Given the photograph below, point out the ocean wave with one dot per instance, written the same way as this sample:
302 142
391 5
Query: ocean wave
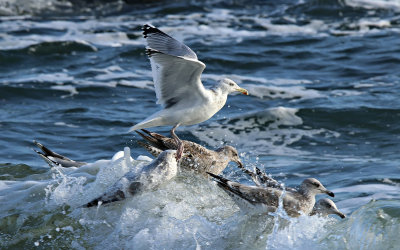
214 26
268 132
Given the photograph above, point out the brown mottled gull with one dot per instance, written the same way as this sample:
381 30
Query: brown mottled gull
323 206
196 157
295 202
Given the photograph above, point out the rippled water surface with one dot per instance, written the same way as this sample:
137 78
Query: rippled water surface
324 83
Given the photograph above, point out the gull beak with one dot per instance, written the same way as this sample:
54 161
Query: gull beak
331 194
243 91
240 164
342 215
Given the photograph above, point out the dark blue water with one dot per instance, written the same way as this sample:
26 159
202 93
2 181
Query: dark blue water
324 83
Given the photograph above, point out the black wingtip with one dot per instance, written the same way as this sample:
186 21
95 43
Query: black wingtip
218 178
147 138
213 175
146 131
148 29
139 133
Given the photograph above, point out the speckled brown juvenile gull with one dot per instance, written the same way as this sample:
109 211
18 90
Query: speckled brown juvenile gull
52 157
295 202
196 157
322 207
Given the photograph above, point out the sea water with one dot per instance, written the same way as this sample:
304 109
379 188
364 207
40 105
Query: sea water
323 78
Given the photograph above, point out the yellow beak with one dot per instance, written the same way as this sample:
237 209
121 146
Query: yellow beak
243 91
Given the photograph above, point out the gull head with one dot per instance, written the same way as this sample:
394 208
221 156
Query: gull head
327 206
231 154
229 86
312 186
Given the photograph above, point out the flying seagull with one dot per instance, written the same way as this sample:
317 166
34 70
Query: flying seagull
177 80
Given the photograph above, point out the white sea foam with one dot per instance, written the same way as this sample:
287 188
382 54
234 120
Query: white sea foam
254 79
218 26
69 88
188 212
303 232
374 191
374 4
273 92
73 189
270 131
66 124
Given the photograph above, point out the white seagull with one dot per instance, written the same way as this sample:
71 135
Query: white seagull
177 80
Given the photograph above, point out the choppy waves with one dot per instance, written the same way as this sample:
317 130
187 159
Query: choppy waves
323 82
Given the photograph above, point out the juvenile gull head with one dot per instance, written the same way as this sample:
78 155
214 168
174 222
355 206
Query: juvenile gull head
312 186
230 154
326 207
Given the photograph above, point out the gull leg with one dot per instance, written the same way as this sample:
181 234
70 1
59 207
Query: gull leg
178 141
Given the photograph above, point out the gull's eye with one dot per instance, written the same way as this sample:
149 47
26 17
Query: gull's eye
316 184
231 84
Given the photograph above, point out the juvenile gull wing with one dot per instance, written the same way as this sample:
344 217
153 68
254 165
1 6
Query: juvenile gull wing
176 70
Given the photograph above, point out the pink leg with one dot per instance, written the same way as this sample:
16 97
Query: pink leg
179 152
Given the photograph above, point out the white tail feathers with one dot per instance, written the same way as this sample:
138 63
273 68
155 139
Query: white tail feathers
154 122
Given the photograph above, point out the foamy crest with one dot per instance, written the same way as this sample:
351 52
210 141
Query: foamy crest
374 4
73 187
186 212
374 225
273 92
270 131
304 232
374 191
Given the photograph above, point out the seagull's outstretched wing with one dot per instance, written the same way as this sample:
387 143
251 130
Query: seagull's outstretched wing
176 70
